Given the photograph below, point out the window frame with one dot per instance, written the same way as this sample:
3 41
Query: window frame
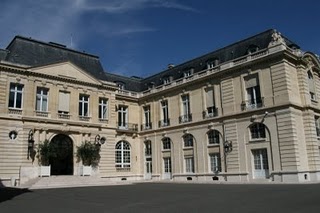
42 97
123 154
14 90
103 112
255 131
84 105
215 162
189 164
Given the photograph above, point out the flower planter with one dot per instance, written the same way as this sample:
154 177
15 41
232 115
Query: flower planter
44 171
85 170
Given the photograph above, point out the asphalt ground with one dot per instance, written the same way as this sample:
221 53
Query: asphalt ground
165 197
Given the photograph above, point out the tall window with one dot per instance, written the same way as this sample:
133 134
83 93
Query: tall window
186 115
103 108
253 92
166 142
83 105
213 137
42 99
312 90
188 140
15 96
189 163
148 149
165 114
210 105
215 162
167 165
258 131
123 117
123 154
317 122
147 117
64 99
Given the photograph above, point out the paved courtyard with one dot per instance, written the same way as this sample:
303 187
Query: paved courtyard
165 197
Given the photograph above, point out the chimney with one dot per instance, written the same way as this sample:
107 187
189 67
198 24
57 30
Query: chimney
170 66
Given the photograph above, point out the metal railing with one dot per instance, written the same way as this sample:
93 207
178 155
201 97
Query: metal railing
164 123
210 112
146 126
185 118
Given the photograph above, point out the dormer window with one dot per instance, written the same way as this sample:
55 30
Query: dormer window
166 80
187 73
252 48
212 63
120 85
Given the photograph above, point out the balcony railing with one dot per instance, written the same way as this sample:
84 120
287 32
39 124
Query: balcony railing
210 112
128 127
185 118
64 116
42 113
164 123
15 111
252 104
84 118
146 126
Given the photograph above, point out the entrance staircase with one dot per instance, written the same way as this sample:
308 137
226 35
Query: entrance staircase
70 181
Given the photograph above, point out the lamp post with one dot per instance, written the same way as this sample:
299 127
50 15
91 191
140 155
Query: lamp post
30 143
227 148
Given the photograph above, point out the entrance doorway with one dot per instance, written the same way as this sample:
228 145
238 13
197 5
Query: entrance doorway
261 166
167 168
62 162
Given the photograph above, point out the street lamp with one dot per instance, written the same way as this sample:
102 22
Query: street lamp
227 148
30 143
99 140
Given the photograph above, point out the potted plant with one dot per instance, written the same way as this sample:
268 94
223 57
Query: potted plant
89 154
46 150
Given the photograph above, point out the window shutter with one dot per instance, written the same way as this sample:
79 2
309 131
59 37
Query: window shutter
64 99
209 97
252 81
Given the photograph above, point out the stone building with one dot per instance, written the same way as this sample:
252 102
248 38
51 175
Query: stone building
247 112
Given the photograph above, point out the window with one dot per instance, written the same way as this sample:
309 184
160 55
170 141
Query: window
215 162
83 105
312 90
165 114
189 163
253 92
258 131
148 150
103 108
213 137
123 154
147 117
260 162
187 73
212 63
120 85
42 99
210 104
317 123
188 140
166 142
167 165
166 80
123 117
15 96
186 115
64 98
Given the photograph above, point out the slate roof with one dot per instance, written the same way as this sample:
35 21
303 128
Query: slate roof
224 54
32 52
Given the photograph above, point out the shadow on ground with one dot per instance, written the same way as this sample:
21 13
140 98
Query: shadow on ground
7 193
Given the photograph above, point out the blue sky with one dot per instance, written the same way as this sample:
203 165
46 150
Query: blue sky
141 37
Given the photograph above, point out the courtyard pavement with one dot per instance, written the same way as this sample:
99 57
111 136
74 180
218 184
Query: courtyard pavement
165 197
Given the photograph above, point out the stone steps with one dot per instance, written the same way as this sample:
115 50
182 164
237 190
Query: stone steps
72 181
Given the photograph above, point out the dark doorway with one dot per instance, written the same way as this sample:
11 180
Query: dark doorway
62 163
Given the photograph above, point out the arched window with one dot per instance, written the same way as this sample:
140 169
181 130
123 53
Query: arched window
166 142
188 140
213 137
258 131
123 154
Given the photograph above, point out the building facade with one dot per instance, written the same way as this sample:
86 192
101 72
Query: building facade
247 112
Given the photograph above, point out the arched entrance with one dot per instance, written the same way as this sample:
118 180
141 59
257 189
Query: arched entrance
62 162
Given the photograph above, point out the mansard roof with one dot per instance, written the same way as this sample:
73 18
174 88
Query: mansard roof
30 52
228 53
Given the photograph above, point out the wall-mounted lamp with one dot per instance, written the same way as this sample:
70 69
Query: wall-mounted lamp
99 140
30 144
227 145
